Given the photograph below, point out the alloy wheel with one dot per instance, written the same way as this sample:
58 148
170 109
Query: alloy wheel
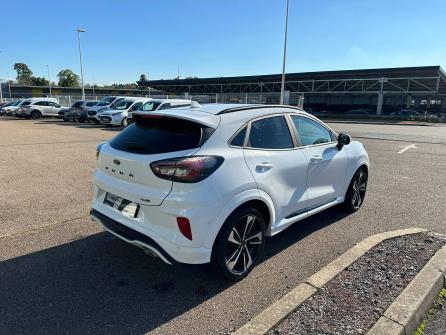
244 244
359 188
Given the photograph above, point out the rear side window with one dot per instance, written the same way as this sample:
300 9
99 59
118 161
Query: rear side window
41 103
239 138
155 135
270 133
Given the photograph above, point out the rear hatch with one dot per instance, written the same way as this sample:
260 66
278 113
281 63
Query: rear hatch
124 163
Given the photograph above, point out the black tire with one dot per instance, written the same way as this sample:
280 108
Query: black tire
354 198
35 114
239 244
124 122
96 121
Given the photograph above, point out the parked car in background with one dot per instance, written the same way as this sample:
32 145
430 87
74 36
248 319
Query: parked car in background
117 116
94 112
4 105
405 113
208 184
11 109
35 108
159 104
79 111
357 112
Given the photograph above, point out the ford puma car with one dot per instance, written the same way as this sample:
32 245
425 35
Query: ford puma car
209 184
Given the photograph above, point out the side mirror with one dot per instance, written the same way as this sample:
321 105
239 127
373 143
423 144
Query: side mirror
343 139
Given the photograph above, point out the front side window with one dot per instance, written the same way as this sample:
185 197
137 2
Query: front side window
270 133
106 101
123 105
136 106
41 103
150 106
310 132
25 103
164 106
77 104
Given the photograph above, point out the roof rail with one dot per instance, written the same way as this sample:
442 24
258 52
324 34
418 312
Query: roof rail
249 107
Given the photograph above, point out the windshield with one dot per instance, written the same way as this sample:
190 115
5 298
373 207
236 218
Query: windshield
77 104
123 105
105 102
17 103
150 106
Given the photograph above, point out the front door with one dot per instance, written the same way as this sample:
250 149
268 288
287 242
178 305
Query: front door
279 169
327 164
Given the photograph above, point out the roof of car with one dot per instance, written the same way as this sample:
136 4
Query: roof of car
219 109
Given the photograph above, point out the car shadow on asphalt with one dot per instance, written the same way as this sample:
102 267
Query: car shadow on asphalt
101 285
80 125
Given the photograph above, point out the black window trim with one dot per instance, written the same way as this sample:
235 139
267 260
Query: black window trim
291 128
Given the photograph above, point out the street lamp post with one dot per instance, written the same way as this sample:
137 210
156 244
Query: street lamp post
282 88
79 31
49 79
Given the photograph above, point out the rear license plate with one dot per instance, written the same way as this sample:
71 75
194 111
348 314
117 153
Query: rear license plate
126 207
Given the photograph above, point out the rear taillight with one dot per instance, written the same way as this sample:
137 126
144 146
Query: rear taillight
187 169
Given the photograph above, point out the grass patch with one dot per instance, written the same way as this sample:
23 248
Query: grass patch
438 302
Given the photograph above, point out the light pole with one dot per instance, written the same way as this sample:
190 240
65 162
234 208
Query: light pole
49 79
282 88
79 31
1 89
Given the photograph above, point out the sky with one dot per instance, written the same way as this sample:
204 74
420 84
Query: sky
215 38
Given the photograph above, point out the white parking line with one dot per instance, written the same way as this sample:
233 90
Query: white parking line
406 147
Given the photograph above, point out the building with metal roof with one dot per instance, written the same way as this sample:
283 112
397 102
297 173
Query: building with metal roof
386 89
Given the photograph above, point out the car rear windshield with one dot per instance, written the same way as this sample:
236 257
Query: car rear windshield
155 135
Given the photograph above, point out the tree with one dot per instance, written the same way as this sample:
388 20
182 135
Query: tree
68 78
39 81
24 74
143 77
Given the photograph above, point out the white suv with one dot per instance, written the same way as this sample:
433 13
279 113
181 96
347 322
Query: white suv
35 108
117 116
208 184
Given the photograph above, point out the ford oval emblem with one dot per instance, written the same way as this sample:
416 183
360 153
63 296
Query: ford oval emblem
116 161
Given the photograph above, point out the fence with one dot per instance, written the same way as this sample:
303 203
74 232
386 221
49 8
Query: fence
295 99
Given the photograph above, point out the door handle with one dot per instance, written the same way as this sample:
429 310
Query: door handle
316 159
262 167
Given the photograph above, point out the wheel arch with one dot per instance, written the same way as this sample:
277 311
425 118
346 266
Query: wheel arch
252 198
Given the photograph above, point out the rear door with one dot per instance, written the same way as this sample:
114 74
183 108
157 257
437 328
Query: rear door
278 167
53 108
327 164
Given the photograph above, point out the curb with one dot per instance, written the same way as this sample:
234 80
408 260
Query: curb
273 315
409 309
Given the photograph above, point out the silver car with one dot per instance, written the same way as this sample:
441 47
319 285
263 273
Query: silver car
35 108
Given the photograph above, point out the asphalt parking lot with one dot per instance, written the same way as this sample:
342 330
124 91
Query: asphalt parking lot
60 273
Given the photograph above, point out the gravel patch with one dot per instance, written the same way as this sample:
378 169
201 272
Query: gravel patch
354 300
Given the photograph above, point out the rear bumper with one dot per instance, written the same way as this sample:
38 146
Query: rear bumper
131 236
151 230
